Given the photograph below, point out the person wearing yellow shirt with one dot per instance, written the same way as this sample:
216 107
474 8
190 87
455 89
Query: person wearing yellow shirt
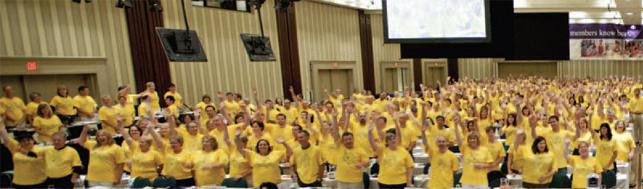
124 110
206 102
281 130
172 106
360 130
231 106
46 124
290 111
240 169
14 107
624 143
150 91
583 165
264 160
191 136
636 102
556 138
477 160
606 149
258 133
583 134
32 106
171 91
63 163
64 105
539 162
145 109
84 103
108 115
395 161
209 163
443 162
496 149
178 163
28 160
409 131
307 162
350 162
106 159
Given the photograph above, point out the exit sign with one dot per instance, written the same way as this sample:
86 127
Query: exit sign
31 66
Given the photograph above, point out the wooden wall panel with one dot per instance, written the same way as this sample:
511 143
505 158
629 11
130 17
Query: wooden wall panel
228 67
60 28
326 33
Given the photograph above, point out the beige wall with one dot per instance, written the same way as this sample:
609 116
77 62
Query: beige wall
62 29
326 33
228 67
482 68
383 52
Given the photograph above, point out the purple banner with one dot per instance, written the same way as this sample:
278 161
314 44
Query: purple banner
605 31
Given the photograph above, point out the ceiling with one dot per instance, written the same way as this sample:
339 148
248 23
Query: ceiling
581 11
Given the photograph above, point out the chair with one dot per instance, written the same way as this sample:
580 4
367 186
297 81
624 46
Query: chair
560 180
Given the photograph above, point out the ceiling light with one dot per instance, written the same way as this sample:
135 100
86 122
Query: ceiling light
629 13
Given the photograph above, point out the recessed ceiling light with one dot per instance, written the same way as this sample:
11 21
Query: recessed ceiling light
629 13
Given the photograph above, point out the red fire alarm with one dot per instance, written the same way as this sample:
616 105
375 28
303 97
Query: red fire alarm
31 66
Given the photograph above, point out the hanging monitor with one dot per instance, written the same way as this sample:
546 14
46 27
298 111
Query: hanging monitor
181 46
258 47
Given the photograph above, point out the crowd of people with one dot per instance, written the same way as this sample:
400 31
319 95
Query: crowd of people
474 132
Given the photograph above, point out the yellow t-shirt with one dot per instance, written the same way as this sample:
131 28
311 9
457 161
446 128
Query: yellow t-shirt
126 112
443 165
63 105
145 164
145 110
636 105
307 161
27 170
510 134
175 165
108 115
291 114
103 160
329 148
209 176
624 145
604 151
347 159
582 168
537 165
266 168
435 132
277 131
393 165
584 137
85 103
471 175
361 138
556 145
231 108
154 105
32 108
239 165
190 142
178 99
174 109
204 116
409 134
60 162
14 108
46 127
496 150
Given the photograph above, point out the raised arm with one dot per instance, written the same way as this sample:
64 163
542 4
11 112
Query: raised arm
533 123
458 138
83 136
335 128
3 133
288 148
371 139
171 123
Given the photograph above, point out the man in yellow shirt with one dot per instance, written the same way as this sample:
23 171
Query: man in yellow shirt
84 103
32 107
63 163
14 107
307 162
172 92
107 115
350 162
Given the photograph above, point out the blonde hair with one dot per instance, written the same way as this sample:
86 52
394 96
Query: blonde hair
215 144
110 140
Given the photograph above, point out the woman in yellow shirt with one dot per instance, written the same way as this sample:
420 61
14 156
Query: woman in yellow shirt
106 159
606 149
64 105
583 134
264 161
32 107
178 163
125 111
509 128
28 160
150 91
583 165
209 163
624 143
395 162
477 160
539 163
141 161
240 169
46 124
63 163
107 115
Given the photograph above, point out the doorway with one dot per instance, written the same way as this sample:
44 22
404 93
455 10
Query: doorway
433 72
332 76
395 76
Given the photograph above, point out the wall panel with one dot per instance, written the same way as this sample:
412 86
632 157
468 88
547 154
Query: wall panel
383 52
326 33
228 67
60 28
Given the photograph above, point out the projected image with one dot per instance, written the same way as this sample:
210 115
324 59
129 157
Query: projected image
436 19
